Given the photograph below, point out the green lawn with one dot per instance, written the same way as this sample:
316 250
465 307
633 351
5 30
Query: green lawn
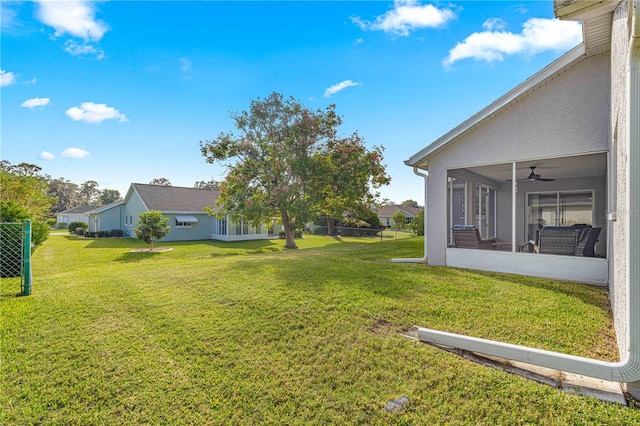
248 333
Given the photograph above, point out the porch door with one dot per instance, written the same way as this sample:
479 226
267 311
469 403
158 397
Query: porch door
485 211
457 204
558 209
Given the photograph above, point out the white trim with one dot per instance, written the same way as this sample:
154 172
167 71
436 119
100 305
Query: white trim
591 270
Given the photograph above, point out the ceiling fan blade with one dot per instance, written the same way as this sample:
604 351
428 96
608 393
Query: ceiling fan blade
545 179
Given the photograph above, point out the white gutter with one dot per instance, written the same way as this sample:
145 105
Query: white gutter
627 370
426 192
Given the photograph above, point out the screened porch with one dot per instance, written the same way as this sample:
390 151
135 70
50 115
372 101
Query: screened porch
531 217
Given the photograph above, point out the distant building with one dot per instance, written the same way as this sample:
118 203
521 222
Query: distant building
76 214
185 209
385 214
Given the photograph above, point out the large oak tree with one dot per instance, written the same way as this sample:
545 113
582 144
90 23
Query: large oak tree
281 163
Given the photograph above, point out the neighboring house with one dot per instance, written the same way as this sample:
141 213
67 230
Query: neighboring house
385 214
577 122
76 214
185 209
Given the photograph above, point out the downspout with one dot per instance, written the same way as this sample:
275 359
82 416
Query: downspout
627 370
426 192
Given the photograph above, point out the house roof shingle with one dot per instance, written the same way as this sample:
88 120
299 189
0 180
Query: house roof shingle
78 210
388 211
174 198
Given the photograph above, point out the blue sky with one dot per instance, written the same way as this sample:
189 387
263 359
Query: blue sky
121 92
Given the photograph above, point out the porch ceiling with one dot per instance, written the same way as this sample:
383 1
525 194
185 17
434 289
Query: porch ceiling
556 168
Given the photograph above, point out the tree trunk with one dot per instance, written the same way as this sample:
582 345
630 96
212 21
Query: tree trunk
331 229
288 231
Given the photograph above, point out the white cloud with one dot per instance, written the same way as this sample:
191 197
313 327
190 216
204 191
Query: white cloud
36 102
46 155
407 15
75 153
7 78
492 24
90 112
185 64
76 49
8 14
338 87
76 19
537 35
73 17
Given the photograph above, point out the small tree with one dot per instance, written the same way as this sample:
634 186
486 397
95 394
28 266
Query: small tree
410 203
417 223
399 219
152 227
160 182
211 184
108 196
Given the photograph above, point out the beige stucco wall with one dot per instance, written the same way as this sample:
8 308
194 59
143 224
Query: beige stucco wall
569 115
618 167
620 139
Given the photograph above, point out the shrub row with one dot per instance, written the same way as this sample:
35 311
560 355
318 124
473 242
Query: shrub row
73 226
100 234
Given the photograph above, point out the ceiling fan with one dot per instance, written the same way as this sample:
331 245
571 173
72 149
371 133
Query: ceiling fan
534 176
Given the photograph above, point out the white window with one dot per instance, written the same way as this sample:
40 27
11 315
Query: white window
185 221
558 208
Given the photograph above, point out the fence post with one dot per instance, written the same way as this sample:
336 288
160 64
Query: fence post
26 258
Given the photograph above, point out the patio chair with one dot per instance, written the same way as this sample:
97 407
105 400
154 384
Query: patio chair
587 242
557 241
469 237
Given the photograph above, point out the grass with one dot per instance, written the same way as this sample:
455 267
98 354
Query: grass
248 333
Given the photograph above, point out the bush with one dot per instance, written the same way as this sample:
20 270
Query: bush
61 225
75 225
39 232
117 233
51 222
80 231
417 223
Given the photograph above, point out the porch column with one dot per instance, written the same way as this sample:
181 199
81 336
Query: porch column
514 191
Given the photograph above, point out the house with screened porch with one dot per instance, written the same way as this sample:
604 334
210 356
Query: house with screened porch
558 154
185 209
536 159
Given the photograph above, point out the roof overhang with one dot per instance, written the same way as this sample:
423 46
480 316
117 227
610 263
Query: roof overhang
562 64
583 10
597 18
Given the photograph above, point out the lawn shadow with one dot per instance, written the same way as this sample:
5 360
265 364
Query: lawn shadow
586 293
10 288
4 296
311 269
134 257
